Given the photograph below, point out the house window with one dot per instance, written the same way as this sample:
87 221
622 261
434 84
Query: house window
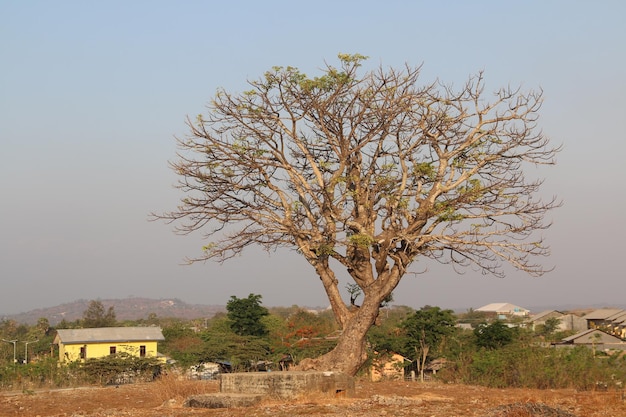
142 351
83 352
112 350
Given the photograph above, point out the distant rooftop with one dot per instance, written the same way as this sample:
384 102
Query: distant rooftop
603 313
503 308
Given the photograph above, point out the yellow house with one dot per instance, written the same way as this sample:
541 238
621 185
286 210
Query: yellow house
82 344
388 366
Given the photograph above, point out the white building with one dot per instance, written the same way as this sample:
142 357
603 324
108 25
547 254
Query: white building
504 310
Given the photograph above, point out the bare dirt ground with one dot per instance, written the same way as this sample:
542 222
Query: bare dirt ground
394 398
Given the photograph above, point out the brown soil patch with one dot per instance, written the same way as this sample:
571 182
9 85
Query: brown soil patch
392 398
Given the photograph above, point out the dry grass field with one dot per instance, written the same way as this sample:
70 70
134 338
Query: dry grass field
165 398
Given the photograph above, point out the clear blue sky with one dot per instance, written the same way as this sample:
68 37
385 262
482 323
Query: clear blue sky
93 93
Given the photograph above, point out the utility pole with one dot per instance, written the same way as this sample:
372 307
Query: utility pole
26 350
14 343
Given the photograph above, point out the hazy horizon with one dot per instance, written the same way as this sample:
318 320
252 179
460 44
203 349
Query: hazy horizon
534 309
94 93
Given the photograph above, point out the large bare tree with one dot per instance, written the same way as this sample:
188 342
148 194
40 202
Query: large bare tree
366 172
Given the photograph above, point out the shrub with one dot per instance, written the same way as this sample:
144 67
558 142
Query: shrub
119 369
522 366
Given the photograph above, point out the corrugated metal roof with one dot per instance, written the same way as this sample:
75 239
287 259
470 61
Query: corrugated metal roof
616 316
602 313
587 337
619 319
546 313
577 335
109 334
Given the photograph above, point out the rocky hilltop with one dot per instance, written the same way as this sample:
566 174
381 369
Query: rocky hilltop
134 308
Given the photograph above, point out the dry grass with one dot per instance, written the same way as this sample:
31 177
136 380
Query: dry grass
176 387
166 397
529 410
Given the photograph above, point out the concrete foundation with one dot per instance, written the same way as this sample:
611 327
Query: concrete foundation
287 384
249 388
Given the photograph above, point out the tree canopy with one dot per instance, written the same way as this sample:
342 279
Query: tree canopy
494 335
245 315
367 171
424 331
428 326
95 315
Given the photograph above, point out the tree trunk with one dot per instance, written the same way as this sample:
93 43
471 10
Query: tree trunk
351 351
424 354
422 364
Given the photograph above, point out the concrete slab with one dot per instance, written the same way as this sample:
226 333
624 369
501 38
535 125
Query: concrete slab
287 384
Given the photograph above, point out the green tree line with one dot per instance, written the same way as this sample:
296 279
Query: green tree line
490 353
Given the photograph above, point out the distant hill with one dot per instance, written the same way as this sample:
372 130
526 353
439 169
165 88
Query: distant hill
125 309
136 308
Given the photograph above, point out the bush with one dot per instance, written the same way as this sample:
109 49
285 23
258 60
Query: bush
42 373
522 366
494 335
120 369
